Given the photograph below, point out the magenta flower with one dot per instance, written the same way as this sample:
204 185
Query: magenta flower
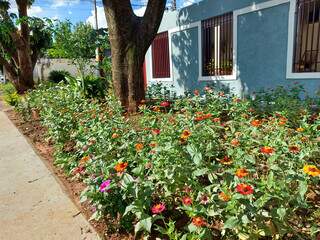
158 208
105 186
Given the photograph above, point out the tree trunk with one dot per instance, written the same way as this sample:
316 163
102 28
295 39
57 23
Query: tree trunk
25 78
130 37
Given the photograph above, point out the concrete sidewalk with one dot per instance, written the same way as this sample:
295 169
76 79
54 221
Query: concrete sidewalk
32 203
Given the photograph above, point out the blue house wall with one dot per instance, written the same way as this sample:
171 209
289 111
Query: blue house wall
261 47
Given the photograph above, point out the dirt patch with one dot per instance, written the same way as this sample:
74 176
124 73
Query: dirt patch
36 136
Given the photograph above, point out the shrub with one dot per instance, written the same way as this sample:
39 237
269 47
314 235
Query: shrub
10 94
57 76
211 167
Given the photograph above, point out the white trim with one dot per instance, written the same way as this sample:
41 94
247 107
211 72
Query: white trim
291 37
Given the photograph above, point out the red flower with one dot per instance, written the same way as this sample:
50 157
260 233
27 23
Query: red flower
158 208
196 92
267 150
165 104
235 142
187 201
216 120
156 131
244 189
198 221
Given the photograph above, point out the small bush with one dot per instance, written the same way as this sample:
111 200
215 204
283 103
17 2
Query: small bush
10 94
57 76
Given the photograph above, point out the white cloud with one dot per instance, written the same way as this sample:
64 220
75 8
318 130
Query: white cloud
62 3
102 22
35 11
69 12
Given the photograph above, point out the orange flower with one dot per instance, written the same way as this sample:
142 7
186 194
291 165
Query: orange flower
224 197
294 149
226 161
198 221
300 129
84 160
185 134
311 170
120 167
256 123
235 142
115 135
187 201
283 121
304 139
139 147
267 150
242 172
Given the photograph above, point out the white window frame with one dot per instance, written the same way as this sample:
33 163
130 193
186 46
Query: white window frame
291 46
233 76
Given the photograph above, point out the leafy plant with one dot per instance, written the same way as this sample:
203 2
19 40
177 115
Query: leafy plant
57 76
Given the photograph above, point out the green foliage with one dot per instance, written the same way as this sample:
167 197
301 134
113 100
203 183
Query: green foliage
10 94
90 86
57 76
187 158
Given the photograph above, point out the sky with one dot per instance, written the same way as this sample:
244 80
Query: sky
82 10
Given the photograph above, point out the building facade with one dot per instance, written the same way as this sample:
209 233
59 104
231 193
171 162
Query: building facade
244 45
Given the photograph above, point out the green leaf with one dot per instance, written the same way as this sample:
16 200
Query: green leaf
195 155
200 172
192 227
231 223
281 212
143 224
303 188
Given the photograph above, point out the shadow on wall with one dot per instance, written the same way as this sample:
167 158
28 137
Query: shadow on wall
185 61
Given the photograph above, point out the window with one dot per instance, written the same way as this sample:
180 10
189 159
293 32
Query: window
160 56
217 45
307 37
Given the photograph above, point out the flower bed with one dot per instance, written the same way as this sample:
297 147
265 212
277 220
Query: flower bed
208 168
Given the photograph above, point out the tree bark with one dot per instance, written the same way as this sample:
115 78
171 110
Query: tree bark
130 37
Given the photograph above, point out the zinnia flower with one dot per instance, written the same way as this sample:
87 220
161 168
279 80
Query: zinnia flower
185 134
256 123
120 167
105 186
216 120
294 149
244 189
115 135
300 129
226 161
267 150
158 208
224 197
84 160
242 172
198 221
204 199
156 131
139 147
235 142
165 104
187 201
311 170
196 92
153 144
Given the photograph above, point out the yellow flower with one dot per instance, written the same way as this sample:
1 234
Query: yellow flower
311 170
300 129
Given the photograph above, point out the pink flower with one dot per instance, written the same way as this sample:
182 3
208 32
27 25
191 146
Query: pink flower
105 186
165 104
158 208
